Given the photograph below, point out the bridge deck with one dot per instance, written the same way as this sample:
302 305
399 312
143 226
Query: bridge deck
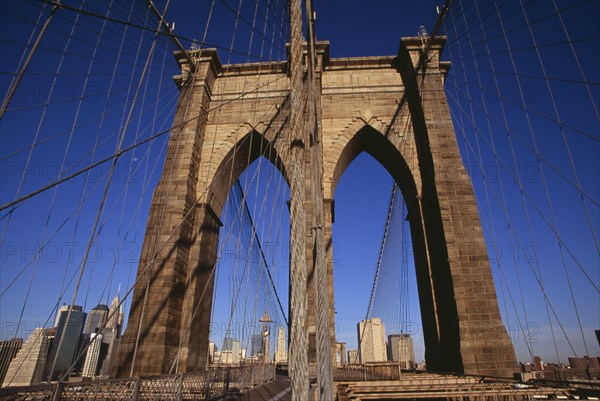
277 390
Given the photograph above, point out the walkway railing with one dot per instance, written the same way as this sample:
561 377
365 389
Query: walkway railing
211 384
375 371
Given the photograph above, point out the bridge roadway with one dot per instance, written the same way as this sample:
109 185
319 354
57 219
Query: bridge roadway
427 386
276 390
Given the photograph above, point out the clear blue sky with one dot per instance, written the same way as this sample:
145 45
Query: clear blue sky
354 28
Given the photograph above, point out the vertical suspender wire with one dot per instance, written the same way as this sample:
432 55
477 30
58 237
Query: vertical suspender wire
217 264
511 227
105 196
255 180
36 260
15 84
552 214
377 271
298 347
145 180
505 119
239 17
503 197
150 266
461 125
77 112
103 115
130 173
529 124
323 334
217 124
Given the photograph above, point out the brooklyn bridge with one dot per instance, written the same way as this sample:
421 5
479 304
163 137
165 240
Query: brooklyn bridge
304 200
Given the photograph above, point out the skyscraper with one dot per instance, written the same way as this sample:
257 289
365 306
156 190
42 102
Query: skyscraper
281 353
256 345
401 349
115 315
27 367
353 356
8 350
92 357
371 340
66 341
95 319
212 349
230 353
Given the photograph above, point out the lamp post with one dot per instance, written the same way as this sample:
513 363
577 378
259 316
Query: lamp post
265 323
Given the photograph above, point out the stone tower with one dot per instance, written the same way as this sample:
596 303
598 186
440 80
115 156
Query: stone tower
229 115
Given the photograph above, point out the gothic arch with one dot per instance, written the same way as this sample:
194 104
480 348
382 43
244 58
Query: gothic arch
365 138
240 156
196 313
368 139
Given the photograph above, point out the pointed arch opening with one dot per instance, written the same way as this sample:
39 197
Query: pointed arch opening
236 304
439 324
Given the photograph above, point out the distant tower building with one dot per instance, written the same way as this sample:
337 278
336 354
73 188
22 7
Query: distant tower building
115 315
27 367
95 319
8 350
281 353
538 363
353 356
63 308
111 342
340 348
212 348
256 345
235 351
597 332
111 335
371 341
228 343
230 353
69 334
401 349
92 357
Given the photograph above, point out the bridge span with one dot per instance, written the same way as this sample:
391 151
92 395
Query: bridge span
268 383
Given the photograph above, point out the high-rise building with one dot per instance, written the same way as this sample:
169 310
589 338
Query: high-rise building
63 308
212 348
66 341
92 357
256 345
401 349
371 341
115 315
110 348
538 363
281 353
340 349
228 343
353 356
95 319
27 367
8 350
230 353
